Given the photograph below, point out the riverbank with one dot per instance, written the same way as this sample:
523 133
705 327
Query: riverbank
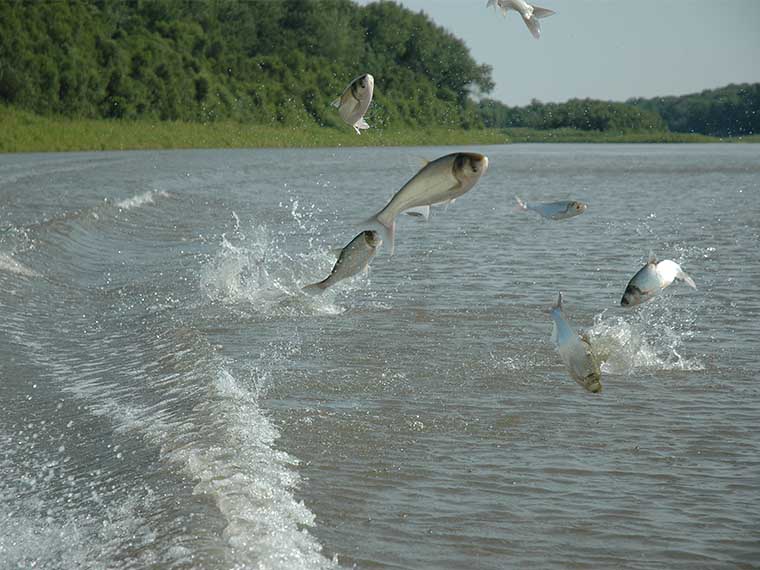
21 131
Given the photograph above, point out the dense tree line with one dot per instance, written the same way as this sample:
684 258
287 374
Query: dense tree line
733 110
729 111
581 114
283 61
261 61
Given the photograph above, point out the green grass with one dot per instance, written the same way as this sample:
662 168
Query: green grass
21 131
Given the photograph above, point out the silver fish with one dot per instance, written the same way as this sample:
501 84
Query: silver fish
553 210
575 351
355 100
530 13
439 182
353 258
652 279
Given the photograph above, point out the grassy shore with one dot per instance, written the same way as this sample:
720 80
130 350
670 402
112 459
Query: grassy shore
21 131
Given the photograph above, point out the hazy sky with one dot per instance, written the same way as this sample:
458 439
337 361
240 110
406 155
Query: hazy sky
608 49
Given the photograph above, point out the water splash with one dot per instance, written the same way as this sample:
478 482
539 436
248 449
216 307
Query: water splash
141 199
261 271
650 337
7 263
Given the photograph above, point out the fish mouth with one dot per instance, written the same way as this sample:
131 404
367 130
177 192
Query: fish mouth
366 81
479 162
372 238
594 386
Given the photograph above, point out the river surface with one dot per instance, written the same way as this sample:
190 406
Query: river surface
171 399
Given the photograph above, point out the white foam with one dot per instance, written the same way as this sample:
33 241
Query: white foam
141 199
256 272
252 485
223 443
643 340
39 533
7 263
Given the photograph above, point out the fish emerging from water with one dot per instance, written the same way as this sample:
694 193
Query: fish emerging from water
652 279
438 182
552 210
530 14
575 351
352 259
355 100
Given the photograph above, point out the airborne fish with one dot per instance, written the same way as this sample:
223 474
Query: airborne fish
530 14
355 100
353 258
552 210
652 279
575 351
439 182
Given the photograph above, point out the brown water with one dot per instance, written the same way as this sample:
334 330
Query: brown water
171 400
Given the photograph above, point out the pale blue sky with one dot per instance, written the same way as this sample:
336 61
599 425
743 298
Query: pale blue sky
608 49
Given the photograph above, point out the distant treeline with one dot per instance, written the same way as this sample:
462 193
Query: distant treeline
267 62
728 111
581 114
281 62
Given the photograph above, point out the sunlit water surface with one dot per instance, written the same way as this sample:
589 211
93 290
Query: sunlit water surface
170 399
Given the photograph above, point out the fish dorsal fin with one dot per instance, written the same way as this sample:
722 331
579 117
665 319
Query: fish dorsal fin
417 163
652 258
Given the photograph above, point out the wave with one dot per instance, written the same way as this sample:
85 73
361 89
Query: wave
168 390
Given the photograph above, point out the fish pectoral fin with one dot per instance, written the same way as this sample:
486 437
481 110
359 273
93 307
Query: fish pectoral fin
687 279
419 212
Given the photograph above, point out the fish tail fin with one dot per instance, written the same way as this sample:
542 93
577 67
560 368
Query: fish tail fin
316 288
533 25
521 206
389 230
360 124
539 12
555 306
687 278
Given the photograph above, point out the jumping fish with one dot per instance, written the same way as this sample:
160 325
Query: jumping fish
552 210
575 351
352 259
355 100
652 279
530 14
439 182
